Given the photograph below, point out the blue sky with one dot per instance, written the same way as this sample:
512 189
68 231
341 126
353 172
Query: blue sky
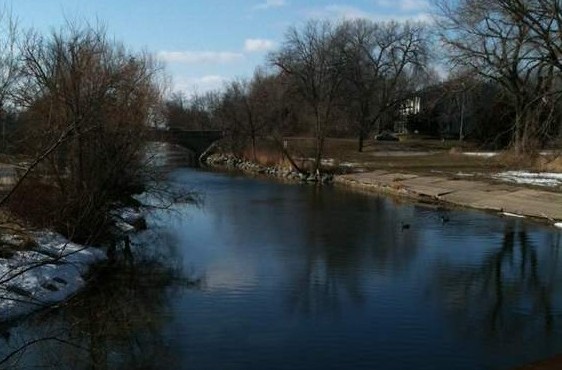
204 43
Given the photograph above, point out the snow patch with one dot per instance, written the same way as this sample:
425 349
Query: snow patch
462 174
125 219
350 164
508 214
550 179
333 162
34 279
481 154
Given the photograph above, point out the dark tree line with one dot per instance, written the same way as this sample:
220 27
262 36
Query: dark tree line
327 79
499 82
515 45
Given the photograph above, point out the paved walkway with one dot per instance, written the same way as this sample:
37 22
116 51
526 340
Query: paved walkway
475 194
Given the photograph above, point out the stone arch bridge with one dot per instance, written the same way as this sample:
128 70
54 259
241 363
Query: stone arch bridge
197 141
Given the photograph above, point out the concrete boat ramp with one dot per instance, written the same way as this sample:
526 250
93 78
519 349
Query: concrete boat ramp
506 198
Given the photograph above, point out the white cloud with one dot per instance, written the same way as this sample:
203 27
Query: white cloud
198 85
407 10
200 57
405 5
268 4
254 45
346 12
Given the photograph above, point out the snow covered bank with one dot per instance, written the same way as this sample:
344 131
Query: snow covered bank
48 274
550 179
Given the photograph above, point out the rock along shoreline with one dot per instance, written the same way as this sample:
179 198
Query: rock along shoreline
231 162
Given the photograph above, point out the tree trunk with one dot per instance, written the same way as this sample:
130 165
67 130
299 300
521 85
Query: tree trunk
362 136
361 139
319 142
461 128
319 150
254 146
287 154
518 135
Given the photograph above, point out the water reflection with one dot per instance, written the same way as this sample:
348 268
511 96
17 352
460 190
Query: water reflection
513 290
345 236
297 277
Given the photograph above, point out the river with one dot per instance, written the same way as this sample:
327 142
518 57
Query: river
267 275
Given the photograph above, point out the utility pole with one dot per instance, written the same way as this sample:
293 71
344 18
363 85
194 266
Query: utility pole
463 98
3 119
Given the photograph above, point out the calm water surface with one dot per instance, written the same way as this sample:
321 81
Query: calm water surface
266 275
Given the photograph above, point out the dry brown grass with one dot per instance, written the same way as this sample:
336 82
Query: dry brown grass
550 163
266 156
18 236
399 156
513 160
542 163
411 155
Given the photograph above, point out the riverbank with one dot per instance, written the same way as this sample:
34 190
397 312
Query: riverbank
513 199
507 199
428 170
44 268
52 271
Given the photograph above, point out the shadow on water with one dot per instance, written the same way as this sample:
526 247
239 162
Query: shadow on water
345 236
326 275
513 293
116 323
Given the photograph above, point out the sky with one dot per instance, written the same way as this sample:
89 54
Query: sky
205 43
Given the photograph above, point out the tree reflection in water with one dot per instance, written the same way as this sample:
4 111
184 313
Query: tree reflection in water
340 247
122 312
510 292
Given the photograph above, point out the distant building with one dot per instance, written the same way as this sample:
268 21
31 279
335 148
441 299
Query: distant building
435 111
409 107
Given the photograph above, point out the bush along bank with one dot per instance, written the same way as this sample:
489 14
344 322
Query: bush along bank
229 161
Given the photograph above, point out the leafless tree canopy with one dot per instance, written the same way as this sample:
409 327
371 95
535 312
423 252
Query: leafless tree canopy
515 44
484 70
382 61
84 104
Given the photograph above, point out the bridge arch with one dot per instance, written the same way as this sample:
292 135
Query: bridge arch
197 141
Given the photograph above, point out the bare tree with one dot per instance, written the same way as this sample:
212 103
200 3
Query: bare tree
311 59
381 61
245 105
177 111
9 65
544 20
87 103
495 39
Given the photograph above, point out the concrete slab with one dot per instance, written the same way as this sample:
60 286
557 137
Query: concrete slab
476 194
476 198
378 178
429 186
534 203
394 178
